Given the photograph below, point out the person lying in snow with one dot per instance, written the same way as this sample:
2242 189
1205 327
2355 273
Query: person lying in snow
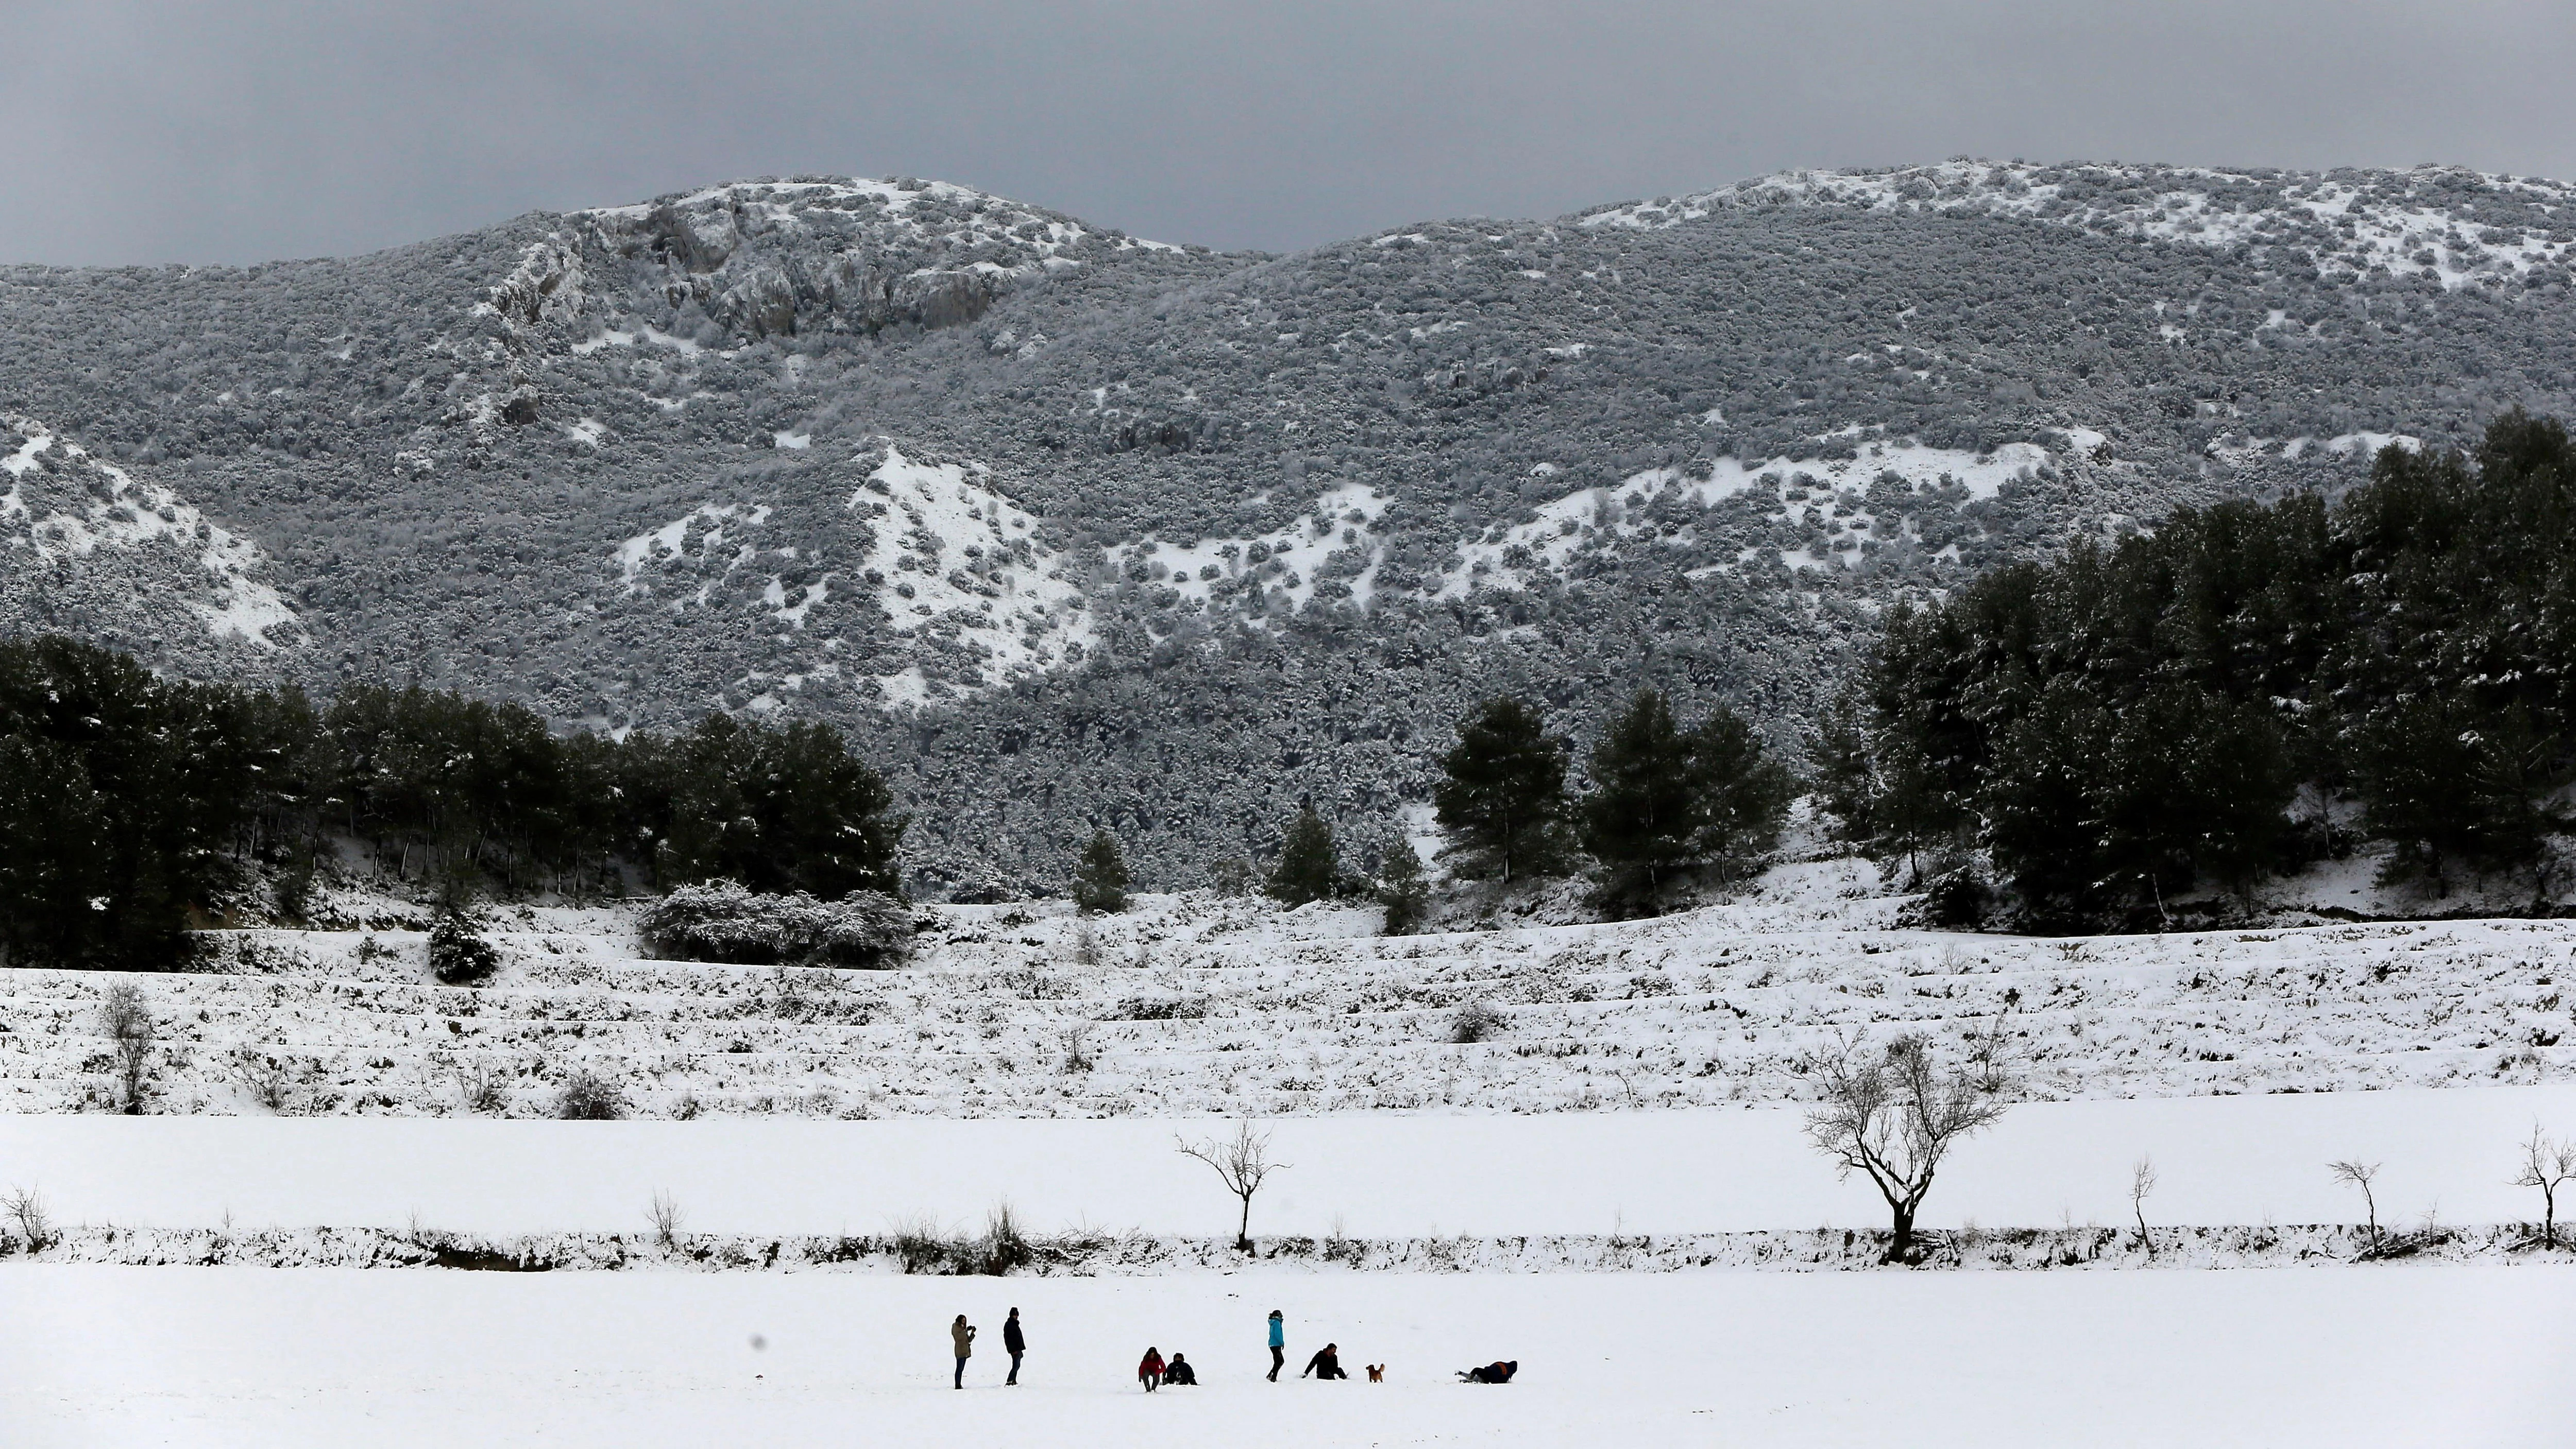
1150 1371
1326 1364
1499 1372
1178 1371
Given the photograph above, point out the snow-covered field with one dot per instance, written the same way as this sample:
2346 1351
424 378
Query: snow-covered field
123 1358
2221 1160
1202 1005
1640 1081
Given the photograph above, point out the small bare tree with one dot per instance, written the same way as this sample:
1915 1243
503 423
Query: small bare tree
127 1022
1893 1114
2546 1165
1243 1163
26 1207
667 1217
2361 1175
2142 1180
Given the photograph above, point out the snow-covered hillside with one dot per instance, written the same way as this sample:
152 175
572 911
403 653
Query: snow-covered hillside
2450 223
84 539
1195 1004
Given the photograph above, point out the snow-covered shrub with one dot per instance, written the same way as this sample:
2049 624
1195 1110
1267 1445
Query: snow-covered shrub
126 1020
587 1097
479 1087
458 956
722 921
1474 1022
270 1080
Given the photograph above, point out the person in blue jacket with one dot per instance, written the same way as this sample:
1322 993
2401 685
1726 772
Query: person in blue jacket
1278 1343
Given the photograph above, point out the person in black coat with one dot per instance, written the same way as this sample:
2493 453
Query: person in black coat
1178 1371
1013 1344
1326 1364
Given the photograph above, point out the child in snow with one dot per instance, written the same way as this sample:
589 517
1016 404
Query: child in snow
961 1336
1278 1344
1326 1364
1150 1372
1178 1371
1498 1372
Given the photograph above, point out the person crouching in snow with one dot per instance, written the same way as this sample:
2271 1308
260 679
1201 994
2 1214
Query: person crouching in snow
1178 1371
961 1336
1326 1364
1150 1371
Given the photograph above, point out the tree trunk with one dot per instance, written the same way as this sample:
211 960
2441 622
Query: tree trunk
1901 1241
1243 1229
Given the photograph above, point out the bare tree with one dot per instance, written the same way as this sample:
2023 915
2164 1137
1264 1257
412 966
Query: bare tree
667 1217
2546 1165
2142 1180
127 1022
26 1207
1894 1113
1243 1163
2361 1175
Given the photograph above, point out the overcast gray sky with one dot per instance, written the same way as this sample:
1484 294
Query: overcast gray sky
147 133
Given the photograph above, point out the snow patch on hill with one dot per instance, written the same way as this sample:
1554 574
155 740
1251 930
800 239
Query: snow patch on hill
955 560
1336 539
2460 226
1604 518
66 505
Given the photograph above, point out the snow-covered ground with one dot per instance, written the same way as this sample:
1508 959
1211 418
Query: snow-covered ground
2220 1160
122 1358
1200 1005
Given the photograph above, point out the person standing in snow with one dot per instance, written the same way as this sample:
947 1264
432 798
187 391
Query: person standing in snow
1013 1344
1150 1370
1326 1364
1278 1344
961 1336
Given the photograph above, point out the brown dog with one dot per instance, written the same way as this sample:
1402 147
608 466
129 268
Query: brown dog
1377 1373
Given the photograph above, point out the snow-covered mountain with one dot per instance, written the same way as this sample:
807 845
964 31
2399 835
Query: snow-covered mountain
1072 529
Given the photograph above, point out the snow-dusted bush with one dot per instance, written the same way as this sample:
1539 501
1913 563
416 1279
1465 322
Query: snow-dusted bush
1474 1022
722 921
458 956
587 1097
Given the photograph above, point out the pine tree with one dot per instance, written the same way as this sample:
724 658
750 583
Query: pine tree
1306 862
1740 794
1642 818
1502 798
1401 888
1100 876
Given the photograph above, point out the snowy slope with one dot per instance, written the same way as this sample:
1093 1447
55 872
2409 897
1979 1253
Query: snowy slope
93 537
1194 1004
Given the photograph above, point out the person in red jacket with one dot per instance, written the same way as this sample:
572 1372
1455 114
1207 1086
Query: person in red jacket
1151 1370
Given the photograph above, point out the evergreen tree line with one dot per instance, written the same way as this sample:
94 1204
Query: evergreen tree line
1665 801
2247 688
127 802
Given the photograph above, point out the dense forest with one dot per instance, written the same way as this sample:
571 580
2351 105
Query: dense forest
132 805
2246 689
